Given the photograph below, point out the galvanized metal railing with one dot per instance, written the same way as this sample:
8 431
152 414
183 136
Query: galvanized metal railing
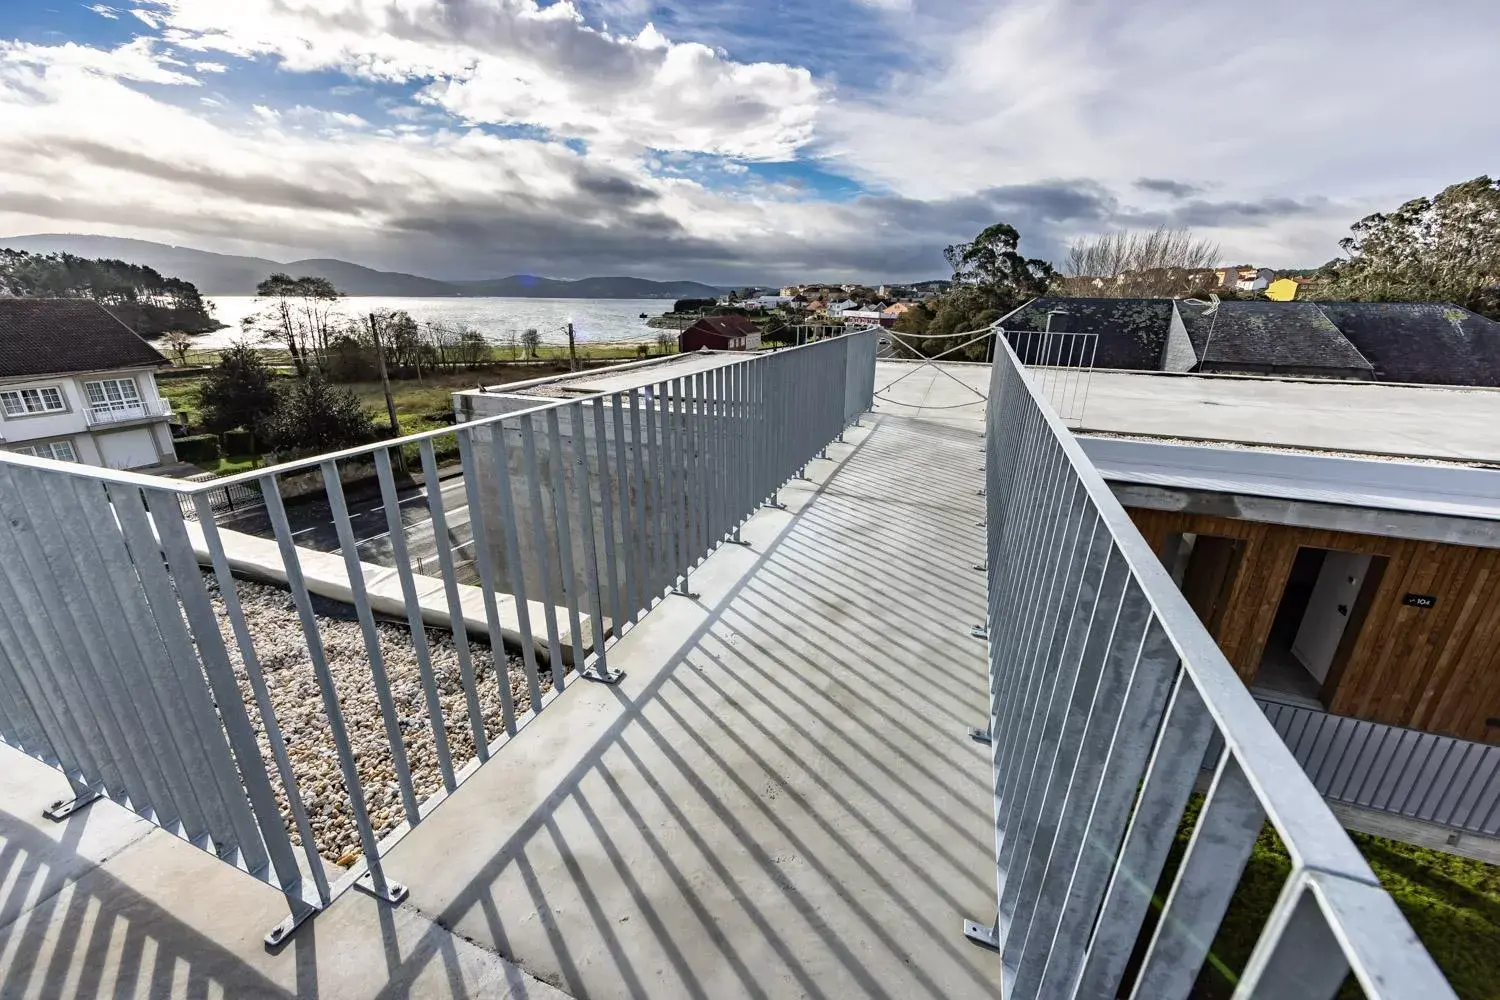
1105 692
118 668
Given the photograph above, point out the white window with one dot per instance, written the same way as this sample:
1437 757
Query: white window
60 451
112 395
24 402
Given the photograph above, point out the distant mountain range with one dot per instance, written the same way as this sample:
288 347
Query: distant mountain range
227 274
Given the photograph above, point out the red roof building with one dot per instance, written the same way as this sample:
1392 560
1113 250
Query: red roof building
720 333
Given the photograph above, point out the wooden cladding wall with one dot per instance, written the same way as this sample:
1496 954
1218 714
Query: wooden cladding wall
1436 669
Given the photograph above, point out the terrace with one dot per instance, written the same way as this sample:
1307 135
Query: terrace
735 761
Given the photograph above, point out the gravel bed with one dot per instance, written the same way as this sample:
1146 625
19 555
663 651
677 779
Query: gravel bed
276 631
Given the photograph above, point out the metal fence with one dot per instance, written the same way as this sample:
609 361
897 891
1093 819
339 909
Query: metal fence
1063 366
1105 692
1422 776
143 678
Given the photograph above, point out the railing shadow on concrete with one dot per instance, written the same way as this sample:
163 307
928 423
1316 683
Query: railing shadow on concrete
88 926
122 666
881 822
1105 692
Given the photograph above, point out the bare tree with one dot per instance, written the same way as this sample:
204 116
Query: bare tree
1129 264
179 344
531 340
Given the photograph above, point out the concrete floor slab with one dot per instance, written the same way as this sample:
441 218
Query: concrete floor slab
781 799
105 904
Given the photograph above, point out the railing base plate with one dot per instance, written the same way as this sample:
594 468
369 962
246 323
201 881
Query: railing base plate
63 808
981 735
980 632
605 676
279 934
982 934
395 893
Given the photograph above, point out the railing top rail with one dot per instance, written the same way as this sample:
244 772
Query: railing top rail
186 488
1310 831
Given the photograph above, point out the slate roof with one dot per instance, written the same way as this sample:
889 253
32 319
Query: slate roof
62 336
1433 343
1132 332
1291 337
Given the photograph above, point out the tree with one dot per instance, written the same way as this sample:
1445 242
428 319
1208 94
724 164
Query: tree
1160 263
137 296
531 340
301 315
178 343
992 267
238 392
665 342
1443 249
314 415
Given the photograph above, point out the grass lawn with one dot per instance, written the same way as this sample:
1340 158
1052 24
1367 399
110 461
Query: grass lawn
1452 903
423 404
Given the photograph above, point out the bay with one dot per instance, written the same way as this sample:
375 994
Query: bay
594 320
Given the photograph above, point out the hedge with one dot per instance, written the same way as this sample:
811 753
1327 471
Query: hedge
198 449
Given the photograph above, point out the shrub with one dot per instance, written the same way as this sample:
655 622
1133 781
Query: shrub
316 415
198 449
239 442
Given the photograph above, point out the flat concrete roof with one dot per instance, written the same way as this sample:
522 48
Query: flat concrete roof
622 377
1353 417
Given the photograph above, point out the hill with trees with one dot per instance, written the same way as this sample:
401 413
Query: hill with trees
228 274
139 296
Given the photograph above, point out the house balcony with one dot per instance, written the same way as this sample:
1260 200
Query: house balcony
749 623
113 414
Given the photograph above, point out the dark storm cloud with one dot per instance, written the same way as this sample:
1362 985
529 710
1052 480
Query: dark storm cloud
1171 188
1208 214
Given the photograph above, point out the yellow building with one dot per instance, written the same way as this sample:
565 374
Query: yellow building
1282 290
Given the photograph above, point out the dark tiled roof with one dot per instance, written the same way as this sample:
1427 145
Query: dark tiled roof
725 326
1291 337
59 336
1434 342
1132 332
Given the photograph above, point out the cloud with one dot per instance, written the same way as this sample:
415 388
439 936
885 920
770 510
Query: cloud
1170 188
137 61
105 10
210 67
518 62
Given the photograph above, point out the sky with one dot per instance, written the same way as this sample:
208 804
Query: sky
758 141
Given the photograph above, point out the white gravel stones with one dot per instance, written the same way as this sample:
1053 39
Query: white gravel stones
281 647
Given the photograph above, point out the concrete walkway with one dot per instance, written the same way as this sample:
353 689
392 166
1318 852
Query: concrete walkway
781 800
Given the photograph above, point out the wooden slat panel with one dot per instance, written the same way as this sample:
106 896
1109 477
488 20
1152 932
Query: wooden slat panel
1436 669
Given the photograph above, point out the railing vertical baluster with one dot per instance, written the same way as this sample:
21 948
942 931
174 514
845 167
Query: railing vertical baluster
334 487
254 673
1228 823
645 547
417 629
390 891
597 603
560 458
480 514
615 603
541 548
459 628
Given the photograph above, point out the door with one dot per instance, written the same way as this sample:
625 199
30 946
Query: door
130 449
1328 611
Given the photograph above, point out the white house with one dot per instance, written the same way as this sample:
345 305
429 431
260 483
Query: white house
838 309
77 385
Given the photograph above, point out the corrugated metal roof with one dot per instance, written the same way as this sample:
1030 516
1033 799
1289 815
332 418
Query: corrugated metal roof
1428 488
